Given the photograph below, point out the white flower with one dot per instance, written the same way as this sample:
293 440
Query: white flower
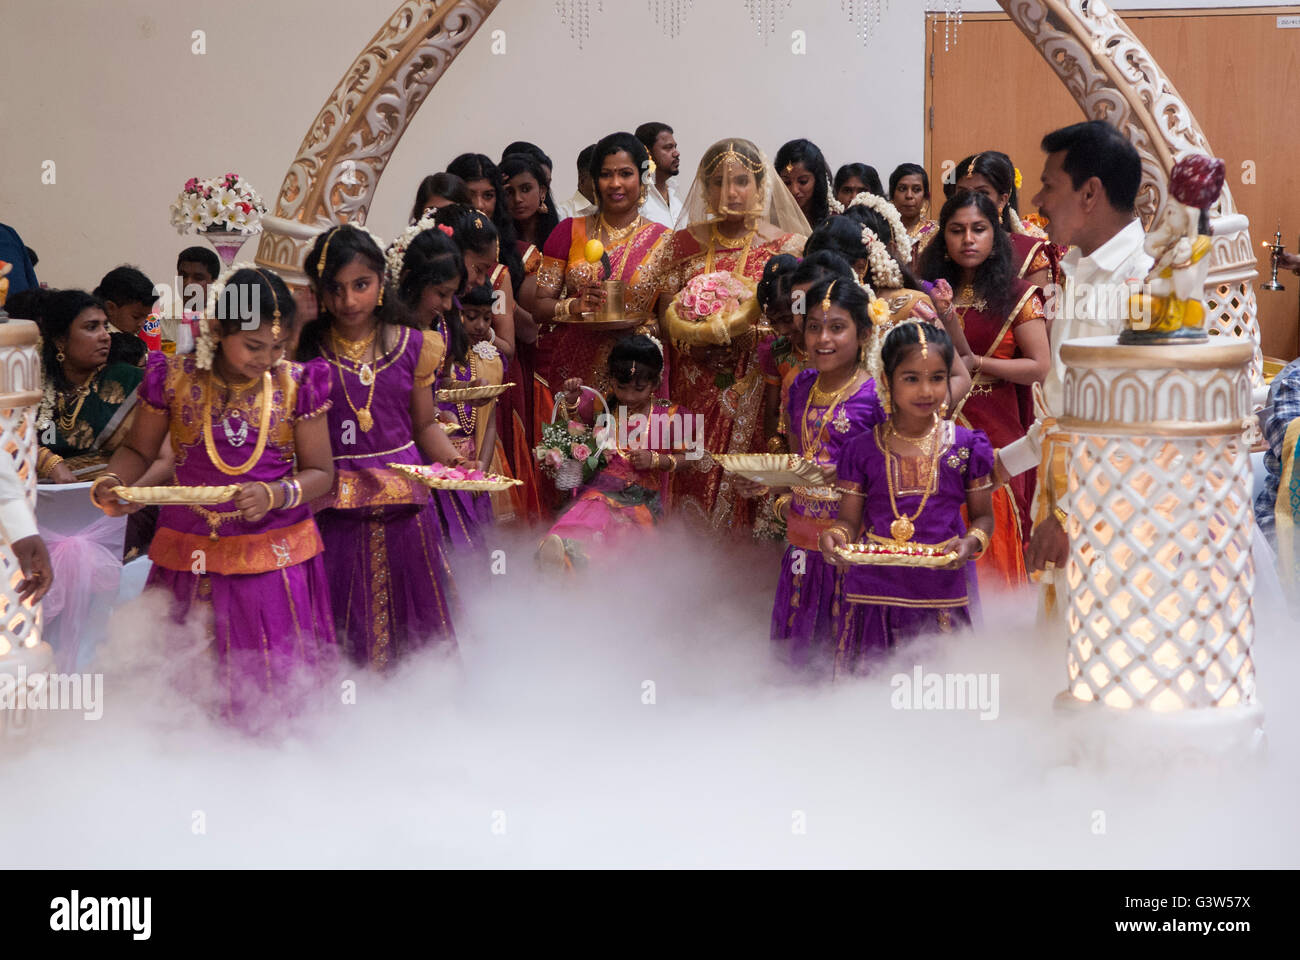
199 217
485 350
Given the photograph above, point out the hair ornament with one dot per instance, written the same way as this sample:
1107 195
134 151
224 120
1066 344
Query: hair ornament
446 229
655 341
1019 179
324 251
970 167
275 297
902 242
826 300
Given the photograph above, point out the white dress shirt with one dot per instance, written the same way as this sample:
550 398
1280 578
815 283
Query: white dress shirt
16 520
655 209
576 206
1094 303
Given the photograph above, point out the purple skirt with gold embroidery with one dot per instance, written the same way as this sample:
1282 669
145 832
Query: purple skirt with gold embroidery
869 632
389 581
807 613
272 635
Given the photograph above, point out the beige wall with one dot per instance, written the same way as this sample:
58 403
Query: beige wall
110 91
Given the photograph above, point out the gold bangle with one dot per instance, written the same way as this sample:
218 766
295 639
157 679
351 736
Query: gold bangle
45 464
983 539
843 528
270 496
95 486
654 460
1060 515
781 504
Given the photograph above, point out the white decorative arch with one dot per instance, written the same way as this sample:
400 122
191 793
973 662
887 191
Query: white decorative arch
1105 67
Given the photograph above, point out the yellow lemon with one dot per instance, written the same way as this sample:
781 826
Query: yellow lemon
594 251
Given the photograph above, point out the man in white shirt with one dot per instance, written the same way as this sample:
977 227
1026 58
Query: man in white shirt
662 205
583 201
1090 184
18 527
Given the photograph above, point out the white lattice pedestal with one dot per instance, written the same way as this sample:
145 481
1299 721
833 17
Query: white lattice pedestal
1160 576
22 653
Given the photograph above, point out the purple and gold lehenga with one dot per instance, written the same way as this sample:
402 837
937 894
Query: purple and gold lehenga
890 604
808 608
263 582
389 581
464 515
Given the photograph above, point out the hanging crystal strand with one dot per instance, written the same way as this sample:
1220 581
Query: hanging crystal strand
764 14
576 15
865 16
670 14
951 10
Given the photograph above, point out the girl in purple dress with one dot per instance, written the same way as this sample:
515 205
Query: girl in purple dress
428 270
829 404
389 580
237 413
906 481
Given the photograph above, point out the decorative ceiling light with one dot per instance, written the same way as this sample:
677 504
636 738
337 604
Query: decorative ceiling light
670 14
576 15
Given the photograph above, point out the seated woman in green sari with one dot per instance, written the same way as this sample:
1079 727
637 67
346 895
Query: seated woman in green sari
88 404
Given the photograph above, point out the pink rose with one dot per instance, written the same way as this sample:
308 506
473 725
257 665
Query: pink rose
688 301
554 458
709 285
454 473
717 307
708 294
577 428
475 474
581 451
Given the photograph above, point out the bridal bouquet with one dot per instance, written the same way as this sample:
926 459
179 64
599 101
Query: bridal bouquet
226 203
713 309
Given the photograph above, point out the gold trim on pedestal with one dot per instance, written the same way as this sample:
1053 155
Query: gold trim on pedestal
1193 356
1157 428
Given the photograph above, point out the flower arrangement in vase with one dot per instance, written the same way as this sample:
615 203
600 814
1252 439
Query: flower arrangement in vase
226 211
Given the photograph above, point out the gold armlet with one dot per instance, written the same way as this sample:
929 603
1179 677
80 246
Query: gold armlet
1060 515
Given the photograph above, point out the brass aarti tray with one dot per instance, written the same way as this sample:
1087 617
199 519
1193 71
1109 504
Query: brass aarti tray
773 469
432 476
890 554
628 321
176 496
465 394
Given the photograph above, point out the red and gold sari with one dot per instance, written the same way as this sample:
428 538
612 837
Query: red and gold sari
567 350
993 406
729 396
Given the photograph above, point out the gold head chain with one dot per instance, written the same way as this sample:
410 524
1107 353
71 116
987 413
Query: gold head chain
320 264
275 297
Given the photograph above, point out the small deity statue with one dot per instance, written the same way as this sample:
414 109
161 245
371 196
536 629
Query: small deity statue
1171 310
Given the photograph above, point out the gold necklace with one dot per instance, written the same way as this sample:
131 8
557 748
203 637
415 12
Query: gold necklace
263 431
617 236
365 420
68 421
356 351
719 241
903 527
810 449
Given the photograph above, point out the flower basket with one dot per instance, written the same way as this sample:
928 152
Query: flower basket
713 309
569 453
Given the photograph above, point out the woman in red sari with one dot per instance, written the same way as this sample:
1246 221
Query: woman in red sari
567 288
1001 335
992 173
736 217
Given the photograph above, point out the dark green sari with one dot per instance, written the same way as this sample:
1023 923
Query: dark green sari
102 422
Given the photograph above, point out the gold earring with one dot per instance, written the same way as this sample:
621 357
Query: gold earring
542 208
59 356
380 302
943 409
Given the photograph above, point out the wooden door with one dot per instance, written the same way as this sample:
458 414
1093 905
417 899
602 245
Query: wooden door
1238 72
